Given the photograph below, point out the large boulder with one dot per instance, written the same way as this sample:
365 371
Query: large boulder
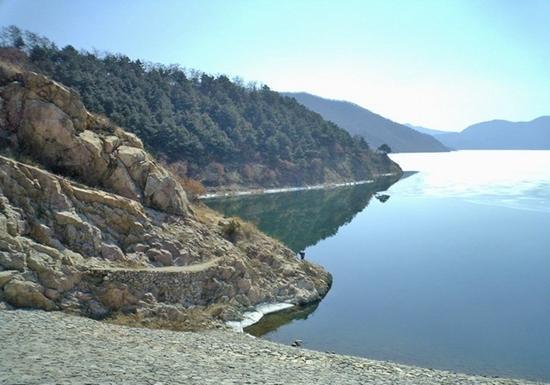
49 122
6 276
27 294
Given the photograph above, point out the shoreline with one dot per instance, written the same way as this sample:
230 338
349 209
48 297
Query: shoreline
260 191
254 316
98 352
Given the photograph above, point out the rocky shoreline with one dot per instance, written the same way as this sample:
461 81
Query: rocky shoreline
93 352
92 224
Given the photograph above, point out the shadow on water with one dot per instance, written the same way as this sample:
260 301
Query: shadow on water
271 322
300 219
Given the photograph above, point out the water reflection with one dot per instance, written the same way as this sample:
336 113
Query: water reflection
300 219
271 322
429 277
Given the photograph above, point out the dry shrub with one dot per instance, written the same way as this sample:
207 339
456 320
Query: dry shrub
192 187
13 56
205 214
236 230
195 319
231 229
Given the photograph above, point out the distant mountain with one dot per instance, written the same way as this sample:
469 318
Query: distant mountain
501 134
374 128
424 130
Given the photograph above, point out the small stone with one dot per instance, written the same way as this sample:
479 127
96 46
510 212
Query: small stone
243 285
149 298
161 256
51 294
96 310
6 276
111 252
13 260
140 248
67 218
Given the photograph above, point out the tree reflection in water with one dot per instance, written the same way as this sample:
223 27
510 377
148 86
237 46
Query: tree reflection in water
300 219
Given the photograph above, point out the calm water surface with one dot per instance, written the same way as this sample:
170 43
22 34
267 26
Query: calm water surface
452 272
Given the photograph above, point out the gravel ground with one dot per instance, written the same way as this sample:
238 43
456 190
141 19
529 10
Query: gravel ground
55 348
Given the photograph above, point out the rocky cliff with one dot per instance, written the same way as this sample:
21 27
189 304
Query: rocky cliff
91 223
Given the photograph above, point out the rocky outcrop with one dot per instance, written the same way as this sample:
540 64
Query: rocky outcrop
48 122
95 226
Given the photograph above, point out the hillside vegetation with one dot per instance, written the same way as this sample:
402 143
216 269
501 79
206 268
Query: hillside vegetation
209 128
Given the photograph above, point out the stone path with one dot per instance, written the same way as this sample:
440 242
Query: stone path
54 348
174 269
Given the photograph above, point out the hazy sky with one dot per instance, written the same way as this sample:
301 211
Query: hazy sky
440 64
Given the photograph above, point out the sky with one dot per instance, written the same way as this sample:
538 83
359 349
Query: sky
440 64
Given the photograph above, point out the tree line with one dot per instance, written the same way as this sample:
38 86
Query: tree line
216 130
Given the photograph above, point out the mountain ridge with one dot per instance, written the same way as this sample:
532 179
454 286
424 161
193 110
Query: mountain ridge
425 130
374 128
502 134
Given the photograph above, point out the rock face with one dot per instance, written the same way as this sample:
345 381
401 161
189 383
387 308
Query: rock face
49 123
119 236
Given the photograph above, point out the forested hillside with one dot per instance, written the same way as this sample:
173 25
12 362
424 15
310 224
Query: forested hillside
218 131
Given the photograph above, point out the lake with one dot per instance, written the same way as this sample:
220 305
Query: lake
451 272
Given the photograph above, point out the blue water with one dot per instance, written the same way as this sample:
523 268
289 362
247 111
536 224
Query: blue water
452 272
